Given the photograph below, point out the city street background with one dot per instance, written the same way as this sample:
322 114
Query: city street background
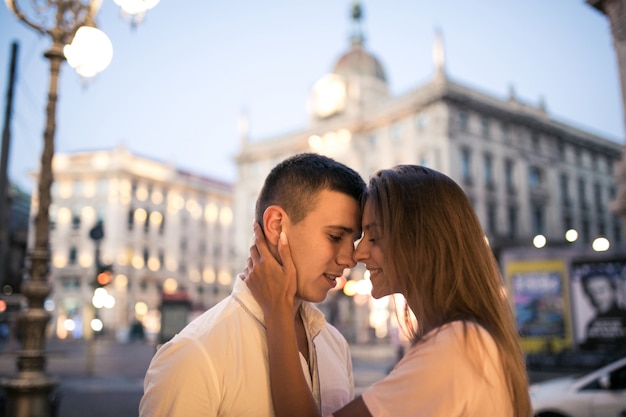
114 386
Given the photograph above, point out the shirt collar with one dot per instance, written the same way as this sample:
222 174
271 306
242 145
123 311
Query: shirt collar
312 317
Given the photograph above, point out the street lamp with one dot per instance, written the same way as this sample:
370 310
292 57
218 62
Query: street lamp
65 22
539 241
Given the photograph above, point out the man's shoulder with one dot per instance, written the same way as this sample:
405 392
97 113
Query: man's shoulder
217 318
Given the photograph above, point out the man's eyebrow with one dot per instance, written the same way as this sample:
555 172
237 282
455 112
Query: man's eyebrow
344 229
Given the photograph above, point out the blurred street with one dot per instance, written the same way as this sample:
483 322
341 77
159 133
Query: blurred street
111 384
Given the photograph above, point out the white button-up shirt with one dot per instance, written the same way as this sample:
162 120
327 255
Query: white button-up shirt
218 365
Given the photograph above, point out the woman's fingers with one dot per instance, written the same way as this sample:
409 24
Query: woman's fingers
285 255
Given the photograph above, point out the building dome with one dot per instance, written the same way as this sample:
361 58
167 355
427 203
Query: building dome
357 61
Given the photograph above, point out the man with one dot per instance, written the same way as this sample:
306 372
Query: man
606 331
218 365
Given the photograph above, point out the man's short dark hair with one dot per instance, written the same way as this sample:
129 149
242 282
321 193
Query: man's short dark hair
295 183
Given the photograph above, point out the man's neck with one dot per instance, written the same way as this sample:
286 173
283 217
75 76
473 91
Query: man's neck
296 307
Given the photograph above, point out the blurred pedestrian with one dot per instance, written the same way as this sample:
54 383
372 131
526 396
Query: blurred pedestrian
218 364
422 239
137 332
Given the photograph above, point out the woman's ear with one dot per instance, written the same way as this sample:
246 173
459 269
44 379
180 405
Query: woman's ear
273 220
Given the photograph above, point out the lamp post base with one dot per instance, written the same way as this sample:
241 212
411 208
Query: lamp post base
30 395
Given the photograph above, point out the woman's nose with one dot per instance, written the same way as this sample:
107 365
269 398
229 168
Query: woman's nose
361 252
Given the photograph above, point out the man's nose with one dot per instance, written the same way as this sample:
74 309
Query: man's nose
346 256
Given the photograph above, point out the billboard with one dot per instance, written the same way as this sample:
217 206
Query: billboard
598 292
540 299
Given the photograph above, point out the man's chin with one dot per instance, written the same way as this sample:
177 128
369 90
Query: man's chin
313 298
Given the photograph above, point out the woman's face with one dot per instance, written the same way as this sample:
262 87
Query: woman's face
369 252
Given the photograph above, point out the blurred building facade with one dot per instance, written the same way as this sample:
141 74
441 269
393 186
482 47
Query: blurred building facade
525 172
166 232
615 11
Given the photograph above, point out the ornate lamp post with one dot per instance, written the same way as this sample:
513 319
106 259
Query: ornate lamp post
65 22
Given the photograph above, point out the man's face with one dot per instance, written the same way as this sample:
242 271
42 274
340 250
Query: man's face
601 292
322 244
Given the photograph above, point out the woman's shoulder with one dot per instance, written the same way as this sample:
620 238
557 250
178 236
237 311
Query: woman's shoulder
459 335
458 328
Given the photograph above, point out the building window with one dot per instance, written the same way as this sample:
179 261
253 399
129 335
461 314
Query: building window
78 188
594 161
582 196
601 228
506 133
420 122
535 177
564 186
508 174
560 149
535 142
617 230
597 193
492 218
579 157
73 256
488 166
512 226
75 221
609 165
146 224
586 232
396 132
463 120
466 165
372 141
70 283
538 219
485 128
131 218
567 222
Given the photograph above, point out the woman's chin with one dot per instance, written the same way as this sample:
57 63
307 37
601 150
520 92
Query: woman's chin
379 292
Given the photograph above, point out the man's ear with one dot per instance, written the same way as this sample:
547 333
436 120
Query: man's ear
273 222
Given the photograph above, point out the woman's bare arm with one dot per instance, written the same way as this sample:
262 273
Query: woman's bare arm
274 288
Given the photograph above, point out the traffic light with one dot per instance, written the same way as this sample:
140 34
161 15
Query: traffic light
104 276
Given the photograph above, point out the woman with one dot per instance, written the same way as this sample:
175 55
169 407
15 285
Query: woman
422 239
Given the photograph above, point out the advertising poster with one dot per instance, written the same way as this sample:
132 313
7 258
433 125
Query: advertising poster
539 298
598 291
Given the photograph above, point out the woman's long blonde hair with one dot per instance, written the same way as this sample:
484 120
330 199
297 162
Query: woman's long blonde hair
443 263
